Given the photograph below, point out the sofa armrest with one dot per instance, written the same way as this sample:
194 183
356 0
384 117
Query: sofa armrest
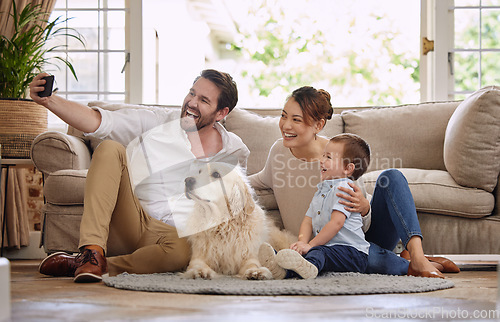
53 151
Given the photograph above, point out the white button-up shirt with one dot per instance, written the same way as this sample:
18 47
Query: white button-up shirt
159 154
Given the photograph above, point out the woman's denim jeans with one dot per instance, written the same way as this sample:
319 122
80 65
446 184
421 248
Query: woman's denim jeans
394 218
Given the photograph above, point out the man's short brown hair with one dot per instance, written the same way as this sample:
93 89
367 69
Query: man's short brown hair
228 96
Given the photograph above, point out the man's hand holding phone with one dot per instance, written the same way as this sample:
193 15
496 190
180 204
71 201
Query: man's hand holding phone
49 84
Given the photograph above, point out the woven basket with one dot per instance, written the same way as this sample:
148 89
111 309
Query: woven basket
21 120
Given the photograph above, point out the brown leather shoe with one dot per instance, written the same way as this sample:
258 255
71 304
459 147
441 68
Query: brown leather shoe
92 265
58 264
405 254
448 265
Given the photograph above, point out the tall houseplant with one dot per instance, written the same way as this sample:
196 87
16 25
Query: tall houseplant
23 55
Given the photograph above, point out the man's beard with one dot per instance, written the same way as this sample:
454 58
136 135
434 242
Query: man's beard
190 124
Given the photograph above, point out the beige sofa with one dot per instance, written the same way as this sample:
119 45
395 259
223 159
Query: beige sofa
448 151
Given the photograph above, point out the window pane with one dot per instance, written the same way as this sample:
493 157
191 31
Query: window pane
60 40
85 22
116 3
103 30
491 28
461 3
111 78
87 75
60 5
112 98
58 69
489 68
83 98
466 71
113 26
82 3
491 3
467 28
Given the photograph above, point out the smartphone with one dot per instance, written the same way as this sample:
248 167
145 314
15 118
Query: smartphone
49 83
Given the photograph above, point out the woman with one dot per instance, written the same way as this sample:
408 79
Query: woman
292 171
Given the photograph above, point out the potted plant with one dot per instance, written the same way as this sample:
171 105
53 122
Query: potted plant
23 55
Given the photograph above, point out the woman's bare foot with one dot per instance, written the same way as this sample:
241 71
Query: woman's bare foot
422 267
419 264
444 265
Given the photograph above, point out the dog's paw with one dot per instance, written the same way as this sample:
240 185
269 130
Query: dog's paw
259 273
204 273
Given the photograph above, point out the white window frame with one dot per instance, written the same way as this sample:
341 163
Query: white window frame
132 54
134 68
436 67
132 58
435 73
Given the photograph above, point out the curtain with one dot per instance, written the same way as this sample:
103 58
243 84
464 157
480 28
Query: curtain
6 27
15 194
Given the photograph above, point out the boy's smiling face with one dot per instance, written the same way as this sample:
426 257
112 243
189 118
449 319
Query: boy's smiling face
332 165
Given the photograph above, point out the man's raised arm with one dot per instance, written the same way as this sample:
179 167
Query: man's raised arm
74 114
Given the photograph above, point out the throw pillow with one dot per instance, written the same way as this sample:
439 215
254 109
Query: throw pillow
472 140
407 136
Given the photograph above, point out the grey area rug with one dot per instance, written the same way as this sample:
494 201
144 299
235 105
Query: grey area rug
327 284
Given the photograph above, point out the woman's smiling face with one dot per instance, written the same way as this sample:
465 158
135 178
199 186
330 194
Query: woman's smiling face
294 130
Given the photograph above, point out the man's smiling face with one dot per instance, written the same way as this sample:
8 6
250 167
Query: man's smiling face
200 106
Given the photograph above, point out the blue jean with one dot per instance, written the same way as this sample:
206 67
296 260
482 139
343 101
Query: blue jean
335 258
394 218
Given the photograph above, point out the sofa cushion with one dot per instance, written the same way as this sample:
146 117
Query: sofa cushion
259 132
65 187
435 191
61 228
453 235
409 136
472 141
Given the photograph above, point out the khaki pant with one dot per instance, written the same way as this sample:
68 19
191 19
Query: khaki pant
113 219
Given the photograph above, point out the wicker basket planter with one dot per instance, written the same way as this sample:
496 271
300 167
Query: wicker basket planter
21 120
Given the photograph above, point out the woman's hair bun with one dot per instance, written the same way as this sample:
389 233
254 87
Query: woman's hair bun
327 96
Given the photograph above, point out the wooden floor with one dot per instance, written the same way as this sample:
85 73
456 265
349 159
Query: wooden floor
40 298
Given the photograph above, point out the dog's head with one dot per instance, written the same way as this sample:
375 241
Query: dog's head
221 185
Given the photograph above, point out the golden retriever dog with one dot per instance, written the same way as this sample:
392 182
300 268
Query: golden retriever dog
230 225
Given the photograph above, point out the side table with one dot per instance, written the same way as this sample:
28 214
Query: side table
7 164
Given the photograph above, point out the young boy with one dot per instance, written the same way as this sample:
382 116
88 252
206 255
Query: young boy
330 238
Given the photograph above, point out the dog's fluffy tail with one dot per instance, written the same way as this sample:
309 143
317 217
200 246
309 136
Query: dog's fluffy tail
280 239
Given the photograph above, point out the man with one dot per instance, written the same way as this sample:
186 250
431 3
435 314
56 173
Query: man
129 219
